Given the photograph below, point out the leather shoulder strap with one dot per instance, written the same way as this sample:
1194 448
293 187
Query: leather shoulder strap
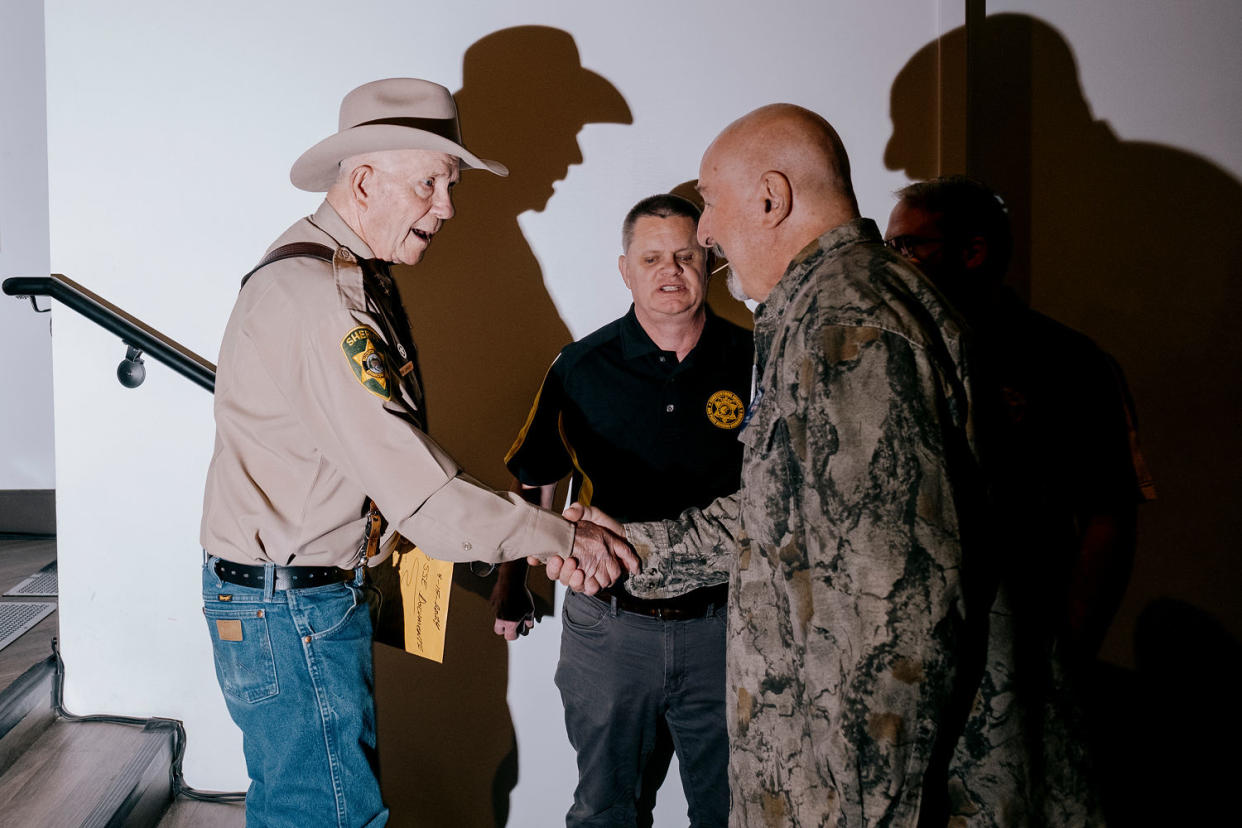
312 250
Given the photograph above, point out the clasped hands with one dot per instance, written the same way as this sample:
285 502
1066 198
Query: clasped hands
600 552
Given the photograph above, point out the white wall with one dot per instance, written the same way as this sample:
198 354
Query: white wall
171 129
26 460
1161 72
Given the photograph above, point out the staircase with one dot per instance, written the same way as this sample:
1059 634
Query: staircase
60 771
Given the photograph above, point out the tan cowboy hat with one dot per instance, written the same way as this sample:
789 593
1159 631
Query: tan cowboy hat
389 114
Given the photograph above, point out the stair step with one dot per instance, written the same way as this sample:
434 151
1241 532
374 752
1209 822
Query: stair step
90 774
190 813
25 711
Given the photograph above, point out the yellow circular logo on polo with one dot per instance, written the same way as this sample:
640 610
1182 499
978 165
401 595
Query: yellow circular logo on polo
724 410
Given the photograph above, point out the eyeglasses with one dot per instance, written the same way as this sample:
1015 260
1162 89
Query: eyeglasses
906 245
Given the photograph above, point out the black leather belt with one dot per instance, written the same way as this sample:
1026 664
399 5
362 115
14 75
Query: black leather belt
285 577
695 604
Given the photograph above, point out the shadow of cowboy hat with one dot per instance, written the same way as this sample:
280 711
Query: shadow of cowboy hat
540 66
389 114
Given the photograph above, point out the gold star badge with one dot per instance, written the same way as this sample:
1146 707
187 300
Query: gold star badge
724 410
366 361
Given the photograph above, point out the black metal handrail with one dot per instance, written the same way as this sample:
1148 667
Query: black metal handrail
136 334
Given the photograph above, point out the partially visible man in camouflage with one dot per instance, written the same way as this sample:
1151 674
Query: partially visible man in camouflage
858 611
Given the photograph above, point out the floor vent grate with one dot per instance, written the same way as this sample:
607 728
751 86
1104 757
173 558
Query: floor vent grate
16 617
41 584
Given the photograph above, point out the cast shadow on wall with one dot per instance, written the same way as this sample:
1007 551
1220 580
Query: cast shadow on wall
1166 729
486 331
1139 246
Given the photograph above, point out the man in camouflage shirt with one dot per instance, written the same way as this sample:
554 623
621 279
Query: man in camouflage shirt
858 613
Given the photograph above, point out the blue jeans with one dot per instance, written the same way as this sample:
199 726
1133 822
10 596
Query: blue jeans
295 669
623 678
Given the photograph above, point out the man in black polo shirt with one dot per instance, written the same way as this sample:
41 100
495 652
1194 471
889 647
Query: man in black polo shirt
645 413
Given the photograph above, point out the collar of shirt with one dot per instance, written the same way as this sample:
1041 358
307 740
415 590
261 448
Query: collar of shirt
768 313
327 219
803 264
635 342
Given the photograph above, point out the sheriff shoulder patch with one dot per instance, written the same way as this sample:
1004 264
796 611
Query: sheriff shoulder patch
724 410
367 361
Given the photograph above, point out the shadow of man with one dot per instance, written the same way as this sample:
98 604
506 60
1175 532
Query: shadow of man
486 331
1188 667
1138 245
1187 670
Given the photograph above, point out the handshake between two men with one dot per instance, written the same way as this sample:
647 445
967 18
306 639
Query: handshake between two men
600 552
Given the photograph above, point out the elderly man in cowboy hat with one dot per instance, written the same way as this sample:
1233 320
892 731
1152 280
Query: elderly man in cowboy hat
319 437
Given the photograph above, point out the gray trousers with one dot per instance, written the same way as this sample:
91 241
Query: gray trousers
629 683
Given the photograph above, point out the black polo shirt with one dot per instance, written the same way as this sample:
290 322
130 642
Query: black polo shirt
644 435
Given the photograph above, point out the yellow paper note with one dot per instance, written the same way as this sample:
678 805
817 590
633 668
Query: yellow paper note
425 587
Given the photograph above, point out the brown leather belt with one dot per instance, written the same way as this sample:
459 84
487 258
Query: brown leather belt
695 604
284 577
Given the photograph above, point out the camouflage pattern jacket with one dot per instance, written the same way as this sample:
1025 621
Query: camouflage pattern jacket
857 630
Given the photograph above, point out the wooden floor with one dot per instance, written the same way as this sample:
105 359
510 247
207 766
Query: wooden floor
186 813
19 559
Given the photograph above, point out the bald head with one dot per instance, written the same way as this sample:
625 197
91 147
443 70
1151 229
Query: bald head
773 181
797 143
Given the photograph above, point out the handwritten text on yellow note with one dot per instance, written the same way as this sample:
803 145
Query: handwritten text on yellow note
425 587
